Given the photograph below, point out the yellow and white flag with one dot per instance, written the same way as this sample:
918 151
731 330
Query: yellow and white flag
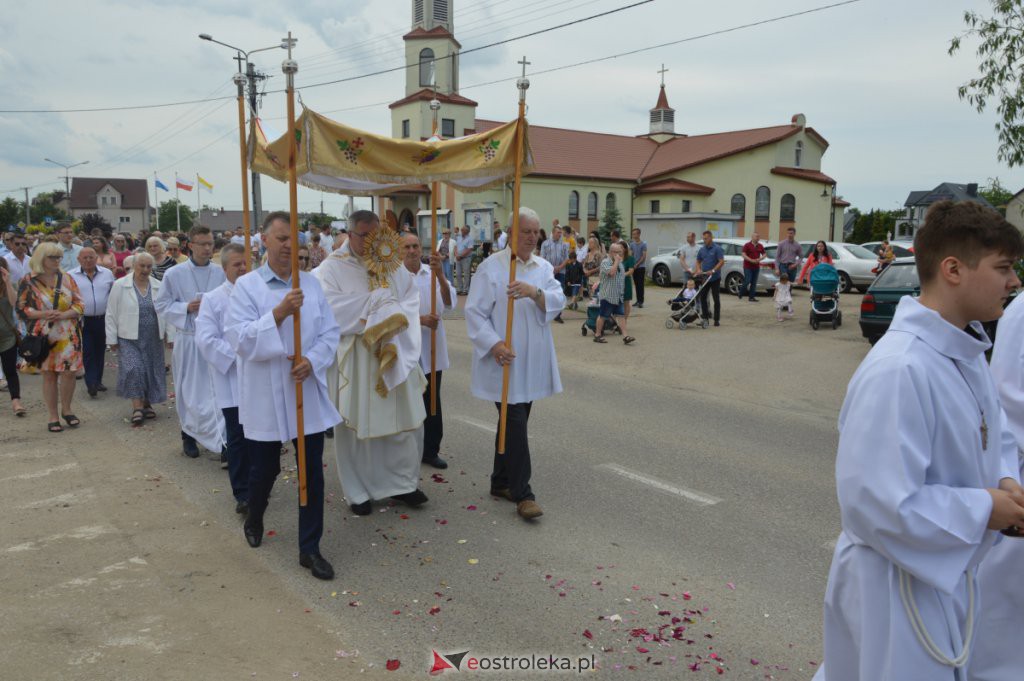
203 182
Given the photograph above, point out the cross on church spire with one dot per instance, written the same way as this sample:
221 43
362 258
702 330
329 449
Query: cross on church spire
663 71
524 64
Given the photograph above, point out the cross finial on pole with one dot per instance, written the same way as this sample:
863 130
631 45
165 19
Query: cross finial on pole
524 64
289 43
663 71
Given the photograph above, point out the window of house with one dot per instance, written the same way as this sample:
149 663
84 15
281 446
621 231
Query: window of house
447 127
405 128
609 201
592 206
762 203
798 156
574 205
113 200
124 219
686 205
103 200
738 205
426 67
787 208
655 206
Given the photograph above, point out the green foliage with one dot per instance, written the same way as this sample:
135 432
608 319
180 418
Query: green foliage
169 218
319 220
996 194
874 225
1001 72
42 208
610 219
11 212
91 221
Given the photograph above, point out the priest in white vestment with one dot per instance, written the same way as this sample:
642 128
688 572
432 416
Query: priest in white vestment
377 383
926 471
999 653
533 367
178 301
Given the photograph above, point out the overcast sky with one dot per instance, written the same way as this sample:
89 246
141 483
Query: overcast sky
872 77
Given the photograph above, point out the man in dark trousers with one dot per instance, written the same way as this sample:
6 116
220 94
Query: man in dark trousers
710 259
639 250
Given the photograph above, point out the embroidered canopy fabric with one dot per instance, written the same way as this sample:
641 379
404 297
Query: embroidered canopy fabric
336 158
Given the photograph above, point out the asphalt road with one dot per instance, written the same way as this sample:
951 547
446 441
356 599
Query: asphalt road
687 484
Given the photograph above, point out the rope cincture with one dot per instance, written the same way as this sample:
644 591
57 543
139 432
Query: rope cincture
910 606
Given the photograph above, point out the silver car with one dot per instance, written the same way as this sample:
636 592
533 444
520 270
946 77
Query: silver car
853 262
666 270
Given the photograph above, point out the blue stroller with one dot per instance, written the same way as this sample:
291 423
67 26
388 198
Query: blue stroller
825 296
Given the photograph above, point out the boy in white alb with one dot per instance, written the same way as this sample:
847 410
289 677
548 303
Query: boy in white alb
926 472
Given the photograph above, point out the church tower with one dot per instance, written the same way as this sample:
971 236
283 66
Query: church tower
432 64
663 117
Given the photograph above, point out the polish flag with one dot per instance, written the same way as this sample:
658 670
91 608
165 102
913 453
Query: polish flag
183 184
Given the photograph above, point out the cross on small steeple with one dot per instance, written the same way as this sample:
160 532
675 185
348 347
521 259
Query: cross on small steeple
663 71
524 64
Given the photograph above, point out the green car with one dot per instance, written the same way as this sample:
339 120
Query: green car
879 303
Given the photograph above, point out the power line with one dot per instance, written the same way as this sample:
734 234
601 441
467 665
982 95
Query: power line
18 190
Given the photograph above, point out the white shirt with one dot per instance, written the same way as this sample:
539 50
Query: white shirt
911 475
502 240
327 242
266 405
240 240
17 268
422 280
690 254
69 259
464 243
214 348
94 291
1008 366
534 371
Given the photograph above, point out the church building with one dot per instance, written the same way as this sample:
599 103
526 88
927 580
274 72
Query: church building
665 182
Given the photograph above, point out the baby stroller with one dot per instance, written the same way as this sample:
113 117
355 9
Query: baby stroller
593 312
825 296
686 311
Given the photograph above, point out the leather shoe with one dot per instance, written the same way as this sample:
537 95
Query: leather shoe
361 509
253 533
189 448
528 509
317 565
242 508
504 493
413 498
102 388
436 462
91 390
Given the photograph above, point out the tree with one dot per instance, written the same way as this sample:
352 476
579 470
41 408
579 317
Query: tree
91 221
320 219
11 212
42 208
1001 68
169 217
611 219
996 194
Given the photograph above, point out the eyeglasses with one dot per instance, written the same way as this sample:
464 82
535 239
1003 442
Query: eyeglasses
303 258
53 257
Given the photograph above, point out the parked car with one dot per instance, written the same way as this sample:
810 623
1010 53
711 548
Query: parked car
901 249
666 270
879 303
853 262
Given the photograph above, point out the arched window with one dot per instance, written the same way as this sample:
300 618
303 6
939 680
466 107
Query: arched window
609 201
798 156
787 210
738 205
574 205
426 64
592 206
762 203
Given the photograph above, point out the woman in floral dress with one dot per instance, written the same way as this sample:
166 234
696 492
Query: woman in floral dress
59 323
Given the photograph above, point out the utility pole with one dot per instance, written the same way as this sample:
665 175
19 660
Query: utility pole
253 77
28 215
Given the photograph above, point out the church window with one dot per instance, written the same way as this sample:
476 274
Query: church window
686 205
417 11
609 201
574 205
441 11
405 128
738 205
762 203
448 127
787 209
655 206
426 67
592 206
798 156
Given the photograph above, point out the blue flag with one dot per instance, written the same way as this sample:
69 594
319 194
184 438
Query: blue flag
161 185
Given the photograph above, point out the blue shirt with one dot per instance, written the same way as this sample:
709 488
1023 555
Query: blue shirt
708 257
463 243
273 281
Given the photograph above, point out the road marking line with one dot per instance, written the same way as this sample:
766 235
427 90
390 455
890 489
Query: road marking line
41 474
489 427
696 497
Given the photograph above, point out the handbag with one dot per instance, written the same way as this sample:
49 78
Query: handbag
34 347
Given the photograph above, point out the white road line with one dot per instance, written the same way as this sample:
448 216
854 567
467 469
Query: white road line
42 473
691 495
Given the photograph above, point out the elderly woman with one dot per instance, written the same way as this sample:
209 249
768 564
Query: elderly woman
135 329
162 261
49 302
174 250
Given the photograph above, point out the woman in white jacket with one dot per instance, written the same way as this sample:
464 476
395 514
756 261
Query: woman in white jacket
134 328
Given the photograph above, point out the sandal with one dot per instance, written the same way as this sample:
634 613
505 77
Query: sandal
148 413
20 412
73 421
628 339
138 416
55 427
600 339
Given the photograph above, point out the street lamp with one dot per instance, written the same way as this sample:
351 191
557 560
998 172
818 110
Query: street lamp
250 75
67 181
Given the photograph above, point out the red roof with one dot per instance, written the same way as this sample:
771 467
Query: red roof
662 100
674 186
840 202
803 174
436 32
426 94
134 193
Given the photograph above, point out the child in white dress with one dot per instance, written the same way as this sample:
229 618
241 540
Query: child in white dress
783 298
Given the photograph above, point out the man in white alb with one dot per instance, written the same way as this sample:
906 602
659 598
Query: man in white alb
178 301
377 384
534 369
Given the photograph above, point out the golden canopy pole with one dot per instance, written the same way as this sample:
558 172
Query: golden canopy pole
513 242
435 190
239 79
290 68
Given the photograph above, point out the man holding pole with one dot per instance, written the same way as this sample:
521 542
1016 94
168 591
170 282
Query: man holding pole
538 299
259 328
432 335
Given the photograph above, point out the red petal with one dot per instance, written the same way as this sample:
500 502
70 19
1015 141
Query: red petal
392 665
641 649
586 632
